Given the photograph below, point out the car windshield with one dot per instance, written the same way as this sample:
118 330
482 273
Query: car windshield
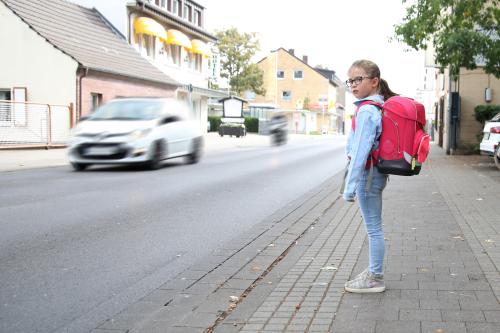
496 117
129 110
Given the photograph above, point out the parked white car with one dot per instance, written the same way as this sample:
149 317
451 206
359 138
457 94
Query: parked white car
490 145
135 131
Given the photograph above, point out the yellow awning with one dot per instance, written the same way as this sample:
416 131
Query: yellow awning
200 47
178 38
148 26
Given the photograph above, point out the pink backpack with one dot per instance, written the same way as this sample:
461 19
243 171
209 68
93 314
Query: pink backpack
404 145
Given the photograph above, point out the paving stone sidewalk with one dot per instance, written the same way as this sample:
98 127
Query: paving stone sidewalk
442 263
287 273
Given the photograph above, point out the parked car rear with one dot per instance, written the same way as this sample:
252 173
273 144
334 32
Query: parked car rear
491 136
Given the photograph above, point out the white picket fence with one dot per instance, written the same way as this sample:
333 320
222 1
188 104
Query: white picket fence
34 125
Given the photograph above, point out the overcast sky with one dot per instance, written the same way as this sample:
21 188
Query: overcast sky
332 33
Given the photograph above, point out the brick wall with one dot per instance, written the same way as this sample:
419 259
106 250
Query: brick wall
113 86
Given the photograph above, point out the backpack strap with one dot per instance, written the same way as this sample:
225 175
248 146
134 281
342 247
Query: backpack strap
371 161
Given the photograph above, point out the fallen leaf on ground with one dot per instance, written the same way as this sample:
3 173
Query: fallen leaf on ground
297 306
255 269
234 299
329 268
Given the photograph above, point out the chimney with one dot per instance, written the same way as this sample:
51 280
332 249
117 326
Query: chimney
291 51
304 59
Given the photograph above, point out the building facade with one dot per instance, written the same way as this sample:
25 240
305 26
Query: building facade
84 67
312 98
171 35
457 130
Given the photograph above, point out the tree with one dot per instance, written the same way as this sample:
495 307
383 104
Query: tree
236 51
463 32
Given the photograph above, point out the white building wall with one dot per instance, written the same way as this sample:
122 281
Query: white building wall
28 60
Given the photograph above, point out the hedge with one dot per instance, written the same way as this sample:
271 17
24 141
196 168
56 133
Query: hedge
214 123
252 124
486 112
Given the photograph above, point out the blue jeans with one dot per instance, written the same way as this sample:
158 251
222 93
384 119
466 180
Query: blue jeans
370 204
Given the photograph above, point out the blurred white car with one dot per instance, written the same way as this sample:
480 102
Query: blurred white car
135 131
491 136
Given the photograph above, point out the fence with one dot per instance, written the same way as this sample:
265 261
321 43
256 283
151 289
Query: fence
34 125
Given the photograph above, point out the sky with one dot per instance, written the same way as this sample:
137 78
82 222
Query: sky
332 33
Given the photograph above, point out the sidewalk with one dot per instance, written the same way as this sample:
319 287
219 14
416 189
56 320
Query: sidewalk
38 158
287 273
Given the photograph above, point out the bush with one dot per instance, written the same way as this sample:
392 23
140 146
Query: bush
214 123
252 124
485 112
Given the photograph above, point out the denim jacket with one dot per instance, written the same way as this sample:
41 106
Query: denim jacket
361 142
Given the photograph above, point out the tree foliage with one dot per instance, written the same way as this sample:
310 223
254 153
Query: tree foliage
463 32
236 51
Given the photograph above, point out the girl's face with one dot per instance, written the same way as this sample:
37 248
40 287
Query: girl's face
361 84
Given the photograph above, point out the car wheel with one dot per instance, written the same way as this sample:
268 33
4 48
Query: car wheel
496 156
157 156
79 166
194 156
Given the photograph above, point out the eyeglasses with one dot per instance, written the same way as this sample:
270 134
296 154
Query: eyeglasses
357 80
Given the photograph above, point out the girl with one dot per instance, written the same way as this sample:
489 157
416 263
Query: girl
366 85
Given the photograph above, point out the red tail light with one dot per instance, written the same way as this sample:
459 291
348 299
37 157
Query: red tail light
495 129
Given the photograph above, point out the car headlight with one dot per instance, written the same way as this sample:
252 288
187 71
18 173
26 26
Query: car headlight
139 134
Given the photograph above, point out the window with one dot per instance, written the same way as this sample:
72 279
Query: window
146 45
186 13
176 7
287 95
5 94
197 62
174 54
197 18
280 74
298 75
163 3
5 109
96 101
250 95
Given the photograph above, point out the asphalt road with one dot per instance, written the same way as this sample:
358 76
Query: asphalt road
79 247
